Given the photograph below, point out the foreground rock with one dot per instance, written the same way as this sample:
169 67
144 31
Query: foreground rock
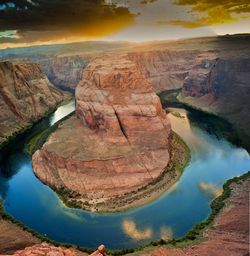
26 95
13 237
45 249
117 143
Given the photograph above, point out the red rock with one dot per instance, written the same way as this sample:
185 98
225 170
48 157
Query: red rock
26 95
119 140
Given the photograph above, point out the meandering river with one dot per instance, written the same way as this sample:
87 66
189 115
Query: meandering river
187 203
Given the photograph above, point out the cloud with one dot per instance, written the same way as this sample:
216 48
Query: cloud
210 189
129 227
166 233
46 20
211 12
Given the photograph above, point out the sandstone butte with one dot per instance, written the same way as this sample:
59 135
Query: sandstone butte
26 95
117 142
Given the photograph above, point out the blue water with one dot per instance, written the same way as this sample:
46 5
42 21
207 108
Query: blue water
213 162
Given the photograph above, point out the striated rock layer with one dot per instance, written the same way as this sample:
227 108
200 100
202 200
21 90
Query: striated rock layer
219 83
118 141
26 95
65 71
164 69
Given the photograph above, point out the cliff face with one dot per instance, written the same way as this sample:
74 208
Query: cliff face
221 85
65 71
26 95
119 140
164 69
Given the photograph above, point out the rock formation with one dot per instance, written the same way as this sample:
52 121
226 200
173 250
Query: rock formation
219 83
65 71
45 249
26 95
117 143
164 69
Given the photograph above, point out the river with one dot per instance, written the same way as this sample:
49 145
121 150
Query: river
214 160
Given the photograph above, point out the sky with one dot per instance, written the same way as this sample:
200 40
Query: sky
31 22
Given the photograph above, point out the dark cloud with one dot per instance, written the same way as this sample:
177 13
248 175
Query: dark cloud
43 20
211 12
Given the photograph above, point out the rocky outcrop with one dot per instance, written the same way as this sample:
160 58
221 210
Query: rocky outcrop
26 95
65 71
45 249
118 141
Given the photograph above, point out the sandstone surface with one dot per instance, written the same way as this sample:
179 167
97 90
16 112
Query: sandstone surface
45 249
26 95
118 141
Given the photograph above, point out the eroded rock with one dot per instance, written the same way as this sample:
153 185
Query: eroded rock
118 141
26 95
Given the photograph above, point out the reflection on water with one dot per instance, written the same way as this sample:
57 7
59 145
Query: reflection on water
62 111
210 189
213 162
166 233
129 228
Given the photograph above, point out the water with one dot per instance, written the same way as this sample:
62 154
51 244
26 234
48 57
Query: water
213 162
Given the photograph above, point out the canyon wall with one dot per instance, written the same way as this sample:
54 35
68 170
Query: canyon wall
221 84
118 140
192 64
164 69
65 71
26 95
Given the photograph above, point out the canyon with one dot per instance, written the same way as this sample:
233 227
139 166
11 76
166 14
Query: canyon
115 106
65 71
26 95
213 73
117 143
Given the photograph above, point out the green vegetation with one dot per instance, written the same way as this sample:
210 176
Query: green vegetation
169 98
177 114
